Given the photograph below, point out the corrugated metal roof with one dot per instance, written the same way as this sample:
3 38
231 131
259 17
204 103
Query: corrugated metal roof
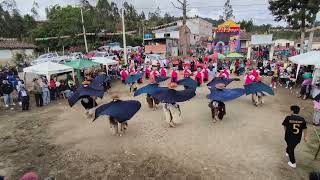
15 44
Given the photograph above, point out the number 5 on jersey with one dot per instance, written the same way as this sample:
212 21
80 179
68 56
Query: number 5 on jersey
296 128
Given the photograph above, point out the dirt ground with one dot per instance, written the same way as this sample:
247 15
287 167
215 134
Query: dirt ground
59 141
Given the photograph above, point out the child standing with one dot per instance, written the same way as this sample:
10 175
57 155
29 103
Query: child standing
274 79
24 98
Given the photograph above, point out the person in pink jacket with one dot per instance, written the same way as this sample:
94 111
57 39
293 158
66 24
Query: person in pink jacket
138 72
124 75
199 77
205 73
186 72
174 75
148 71
163 72
154 74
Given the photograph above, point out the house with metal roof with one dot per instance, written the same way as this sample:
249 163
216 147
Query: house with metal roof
10 46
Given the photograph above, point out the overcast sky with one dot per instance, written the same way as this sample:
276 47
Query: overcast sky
243 9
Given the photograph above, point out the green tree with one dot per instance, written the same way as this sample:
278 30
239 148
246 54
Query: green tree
228 11
34 9
297 13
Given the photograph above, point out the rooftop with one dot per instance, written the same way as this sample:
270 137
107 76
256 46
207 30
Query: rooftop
12 43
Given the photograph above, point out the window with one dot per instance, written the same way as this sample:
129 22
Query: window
167 35
298 45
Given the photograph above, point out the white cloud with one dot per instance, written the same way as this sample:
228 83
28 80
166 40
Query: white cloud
243 9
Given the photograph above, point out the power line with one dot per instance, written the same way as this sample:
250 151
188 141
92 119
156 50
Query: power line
209 6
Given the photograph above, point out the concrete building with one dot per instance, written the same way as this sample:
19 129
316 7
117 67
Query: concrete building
315 43
166 41
199 28
9 47
283 43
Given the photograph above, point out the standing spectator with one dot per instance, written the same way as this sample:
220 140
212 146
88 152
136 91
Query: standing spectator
52 89
316 115
7 89
24 98
306 85
37 90
45 92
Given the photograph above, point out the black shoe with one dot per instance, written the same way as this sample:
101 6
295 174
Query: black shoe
316 124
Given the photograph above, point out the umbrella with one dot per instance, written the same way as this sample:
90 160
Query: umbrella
161 79
149 89
99 82
225 94
221 80
258 87
189 83
172 96
83 92
81 64
133 78
120 110
234 55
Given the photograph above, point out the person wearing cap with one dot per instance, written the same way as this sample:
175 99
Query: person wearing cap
174 75
172 111
37 91
116 127
199 77
7 89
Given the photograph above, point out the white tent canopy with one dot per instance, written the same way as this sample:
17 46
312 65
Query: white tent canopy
106 62
48 69
309 58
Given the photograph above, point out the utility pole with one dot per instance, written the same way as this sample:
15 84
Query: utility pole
183 6
312 33
84 31
124 39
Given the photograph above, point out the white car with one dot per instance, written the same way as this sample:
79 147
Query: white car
52 57
75 55
154 58
104 55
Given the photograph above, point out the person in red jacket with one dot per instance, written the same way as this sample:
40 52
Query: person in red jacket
148 71
205 73
174 75
199 77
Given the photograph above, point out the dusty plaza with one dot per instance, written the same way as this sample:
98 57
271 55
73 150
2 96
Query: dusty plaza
248 144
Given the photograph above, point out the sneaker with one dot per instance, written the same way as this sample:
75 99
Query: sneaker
287 154
6 106
292 165
13 104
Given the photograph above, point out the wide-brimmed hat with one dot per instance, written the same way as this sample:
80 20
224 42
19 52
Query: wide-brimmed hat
115 96
220 86
85 82
172 85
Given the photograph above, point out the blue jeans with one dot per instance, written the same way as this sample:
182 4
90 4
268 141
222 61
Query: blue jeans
46 97
8 99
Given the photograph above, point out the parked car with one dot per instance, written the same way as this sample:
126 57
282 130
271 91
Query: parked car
154 58
105 55
75 55
52 57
